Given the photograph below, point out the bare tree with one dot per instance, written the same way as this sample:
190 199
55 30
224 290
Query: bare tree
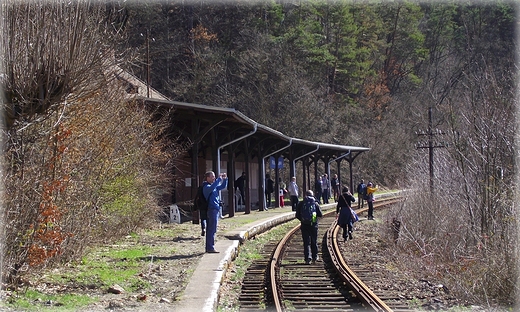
82 162
468 224
53 50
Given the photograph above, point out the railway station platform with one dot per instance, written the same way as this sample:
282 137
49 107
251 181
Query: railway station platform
202 291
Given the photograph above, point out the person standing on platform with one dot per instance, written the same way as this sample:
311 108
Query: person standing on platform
211 192
370 200
269 189
317 189
293 193
308 212
361 193
335 185
240 183
344 214
281 192
325 188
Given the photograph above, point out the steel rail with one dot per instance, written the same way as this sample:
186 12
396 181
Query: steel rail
361 290
274 265
347 275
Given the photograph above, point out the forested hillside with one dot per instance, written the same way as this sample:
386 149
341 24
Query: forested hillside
338 72
368 74
429 87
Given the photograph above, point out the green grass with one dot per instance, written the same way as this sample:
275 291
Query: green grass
96 270
33 300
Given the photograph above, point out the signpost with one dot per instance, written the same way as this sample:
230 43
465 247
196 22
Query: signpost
272 163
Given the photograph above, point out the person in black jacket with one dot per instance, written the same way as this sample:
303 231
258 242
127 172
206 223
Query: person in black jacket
240 183
269 189
309 226
344 214
361 193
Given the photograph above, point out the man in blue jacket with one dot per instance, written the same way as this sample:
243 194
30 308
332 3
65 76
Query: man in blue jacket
361 193
212 188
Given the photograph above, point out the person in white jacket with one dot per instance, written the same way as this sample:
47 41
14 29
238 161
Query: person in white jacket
293 192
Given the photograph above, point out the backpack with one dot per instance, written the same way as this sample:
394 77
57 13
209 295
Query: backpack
200 202
363 191
308 213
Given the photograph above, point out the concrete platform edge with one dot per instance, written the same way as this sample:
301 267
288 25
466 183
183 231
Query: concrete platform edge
258 227
203 289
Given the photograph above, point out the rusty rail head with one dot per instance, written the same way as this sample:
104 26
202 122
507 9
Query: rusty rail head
361 290
274 265
348 276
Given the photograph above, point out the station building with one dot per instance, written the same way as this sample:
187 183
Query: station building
225 140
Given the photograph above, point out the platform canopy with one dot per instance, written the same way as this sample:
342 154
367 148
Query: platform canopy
215 132
195 121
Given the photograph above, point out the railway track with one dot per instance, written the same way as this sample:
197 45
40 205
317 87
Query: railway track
297 286
365 280
281 280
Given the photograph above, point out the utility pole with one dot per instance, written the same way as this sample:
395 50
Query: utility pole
430 144
147 63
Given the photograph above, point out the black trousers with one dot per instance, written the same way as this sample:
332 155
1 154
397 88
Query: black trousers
360 201
268 199
310 241
294 202
370 209
346 228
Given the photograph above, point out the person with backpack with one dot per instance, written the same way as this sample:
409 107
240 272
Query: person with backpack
212 187
201 204
370 199
361 193
308 211
344 214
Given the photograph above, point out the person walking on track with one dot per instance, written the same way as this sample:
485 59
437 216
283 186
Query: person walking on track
308 212
317 189
325 189
344 214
